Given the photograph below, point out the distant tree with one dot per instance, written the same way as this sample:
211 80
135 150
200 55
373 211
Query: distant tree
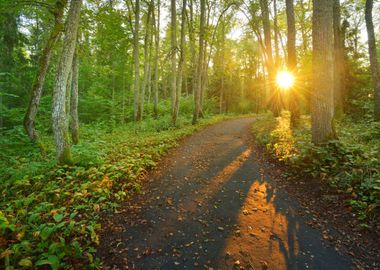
322 96
373 57
292 60
198 89
74 123
136 62
43 65
173 54
59 114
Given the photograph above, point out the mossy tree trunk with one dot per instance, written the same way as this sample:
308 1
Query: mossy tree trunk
59 116
74 124
43 65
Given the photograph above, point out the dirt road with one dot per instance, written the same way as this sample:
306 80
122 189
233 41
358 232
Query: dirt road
212 205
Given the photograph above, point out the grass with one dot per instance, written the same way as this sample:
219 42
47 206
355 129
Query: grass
49 214
351 163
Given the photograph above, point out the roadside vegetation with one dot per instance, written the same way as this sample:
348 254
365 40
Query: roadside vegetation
351 164
49 213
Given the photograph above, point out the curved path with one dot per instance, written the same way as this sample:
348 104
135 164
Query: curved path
211 205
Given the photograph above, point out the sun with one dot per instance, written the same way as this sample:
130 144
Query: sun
285 80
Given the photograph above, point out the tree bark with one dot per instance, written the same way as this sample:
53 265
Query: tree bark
373 57
339 58
322 98
156 75
197 94
59 117
182 57
146 61
173 75
43 65
136 63
74 124
274 95
292 61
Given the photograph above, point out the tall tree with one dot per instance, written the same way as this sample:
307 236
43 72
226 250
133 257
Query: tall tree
173 53
339 58
136 62
292 60
198 89
182 58
147 43
43 65
322 98
74 123
157 47
373 57
59 116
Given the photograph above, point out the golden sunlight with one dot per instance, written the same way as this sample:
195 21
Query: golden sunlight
285 80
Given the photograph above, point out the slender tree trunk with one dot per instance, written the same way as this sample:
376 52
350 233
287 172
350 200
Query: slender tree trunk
274 95
221 98
156 75
60 123
275 26
322 98
292 60
192 49
197 94
136 63
74 124
43 65
182 56
373 57
173 75
339 58
146 61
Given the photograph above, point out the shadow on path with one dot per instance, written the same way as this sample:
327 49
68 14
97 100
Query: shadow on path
211 206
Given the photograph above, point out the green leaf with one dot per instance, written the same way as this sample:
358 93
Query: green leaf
51 260
26 262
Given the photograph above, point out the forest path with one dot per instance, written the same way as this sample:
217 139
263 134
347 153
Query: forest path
211 204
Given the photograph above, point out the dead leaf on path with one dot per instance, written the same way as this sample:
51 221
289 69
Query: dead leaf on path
169 201
245 212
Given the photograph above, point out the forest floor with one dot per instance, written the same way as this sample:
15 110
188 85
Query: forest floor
215 202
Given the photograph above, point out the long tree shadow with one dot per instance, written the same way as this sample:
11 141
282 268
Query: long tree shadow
224 215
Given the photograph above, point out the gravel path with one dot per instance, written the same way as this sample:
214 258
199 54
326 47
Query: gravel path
212 205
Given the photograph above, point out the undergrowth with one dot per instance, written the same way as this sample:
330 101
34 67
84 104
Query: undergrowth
351 164
49 214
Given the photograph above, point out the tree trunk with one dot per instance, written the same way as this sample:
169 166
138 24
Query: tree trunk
43 65
74 124
136 63
373 57
197 94
146 61
322 98
274 95
182 56
173 75
157 42
60 123
275 26
192 49
339 58
292 61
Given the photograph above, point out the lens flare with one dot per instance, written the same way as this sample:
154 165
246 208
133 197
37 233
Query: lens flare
285 80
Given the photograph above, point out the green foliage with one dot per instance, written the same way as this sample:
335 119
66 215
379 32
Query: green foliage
49 213
351 164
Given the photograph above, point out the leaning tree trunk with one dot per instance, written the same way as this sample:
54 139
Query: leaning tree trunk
292 60
157 47
322 98
136 63
197 94
373 57
43 65
59 117
74 124
173 75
